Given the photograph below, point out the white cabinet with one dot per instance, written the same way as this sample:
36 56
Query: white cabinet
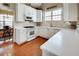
34 14
44 32
28 11
23 11
20 12
70 12
38 14
40 31
20 36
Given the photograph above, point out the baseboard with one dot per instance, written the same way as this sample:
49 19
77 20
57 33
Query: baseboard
42 37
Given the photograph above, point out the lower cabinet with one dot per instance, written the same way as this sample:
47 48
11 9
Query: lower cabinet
23 35
46 32
43 32
20 36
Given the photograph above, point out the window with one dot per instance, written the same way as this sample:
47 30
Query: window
5 20
54 14
8 21
1 24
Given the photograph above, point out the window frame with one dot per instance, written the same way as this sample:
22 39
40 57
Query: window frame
4 20
57 14
51 10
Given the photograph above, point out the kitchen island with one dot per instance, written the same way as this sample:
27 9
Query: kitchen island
63 43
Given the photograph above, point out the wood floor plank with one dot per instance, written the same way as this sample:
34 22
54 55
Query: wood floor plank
31 48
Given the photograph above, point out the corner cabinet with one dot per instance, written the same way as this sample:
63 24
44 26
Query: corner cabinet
38 14
70 11
20 12
34 15
46 32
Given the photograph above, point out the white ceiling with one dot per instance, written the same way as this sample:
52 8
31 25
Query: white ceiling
42 5
36 4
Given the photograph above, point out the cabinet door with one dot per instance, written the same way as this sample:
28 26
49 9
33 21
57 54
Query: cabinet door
73 9
39 15
43 32
50 32
46 32
34 15
70 11
21 36
17 37
20 12
65 12
28 11
37 31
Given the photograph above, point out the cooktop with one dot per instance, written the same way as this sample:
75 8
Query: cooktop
29 27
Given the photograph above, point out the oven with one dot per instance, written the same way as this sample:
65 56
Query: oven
30 32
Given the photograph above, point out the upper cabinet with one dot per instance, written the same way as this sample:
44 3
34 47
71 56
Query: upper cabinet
39 15
25 13
28 11
70 12
20 12
34 14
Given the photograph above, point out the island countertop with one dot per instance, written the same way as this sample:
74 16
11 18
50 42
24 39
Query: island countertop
63 43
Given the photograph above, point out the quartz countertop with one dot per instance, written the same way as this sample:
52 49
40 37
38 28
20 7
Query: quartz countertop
63 43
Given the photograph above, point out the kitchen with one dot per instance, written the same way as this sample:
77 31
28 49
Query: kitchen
37 19
44 20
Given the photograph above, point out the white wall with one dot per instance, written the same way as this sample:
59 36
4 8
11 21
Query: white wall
11 8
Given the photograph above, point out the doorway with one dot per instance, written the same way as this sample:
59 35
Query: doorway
6 28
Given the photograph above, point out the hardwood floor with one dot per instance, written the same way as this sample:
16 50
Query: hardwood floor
31 48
